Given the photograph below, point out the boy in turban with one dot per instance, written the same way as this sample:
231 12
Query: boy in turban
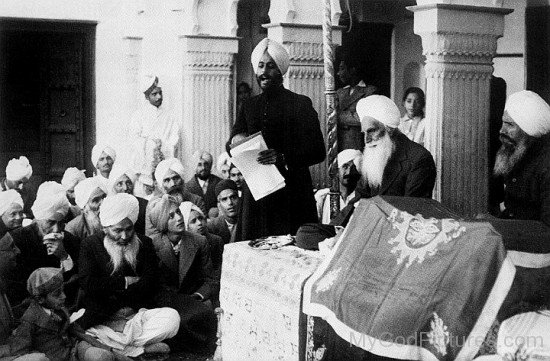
290 127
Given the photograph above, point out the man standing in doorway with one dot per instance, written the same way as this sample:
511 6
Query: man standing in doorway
290 127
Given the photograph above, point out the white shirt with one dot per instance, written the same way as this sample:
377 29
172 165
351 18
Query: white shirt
325 210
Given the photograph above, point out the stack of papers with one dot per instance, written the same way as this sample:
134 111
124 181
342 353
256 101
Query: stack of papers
261 179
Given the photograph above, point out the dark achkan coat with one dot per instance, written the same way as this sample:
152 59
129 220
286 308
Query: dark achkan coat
290 125
527 188
193 186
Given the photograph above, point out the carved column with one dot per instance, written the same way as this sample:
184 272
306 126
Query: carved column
207 92
304 44
459 43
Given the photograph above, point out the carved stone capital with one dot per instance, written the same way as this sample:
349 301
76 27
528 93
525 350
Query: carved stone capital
213 61
459 47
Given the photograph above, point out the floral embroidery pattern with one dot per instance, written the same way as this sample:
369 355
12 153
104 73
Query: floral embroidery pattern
438 336
419 237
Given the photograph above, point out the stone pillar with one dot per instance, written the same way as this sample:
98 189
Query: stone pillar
459 43
207 92
305 75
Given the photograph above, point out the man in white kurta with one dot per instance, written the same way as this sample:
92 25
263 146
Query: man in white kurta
154 131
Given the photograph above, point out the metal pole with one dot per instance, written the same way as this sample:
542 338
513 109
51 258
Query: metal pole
330 96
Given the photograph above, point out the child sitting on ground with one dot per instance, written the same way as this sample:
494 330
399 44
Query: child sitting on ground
45 327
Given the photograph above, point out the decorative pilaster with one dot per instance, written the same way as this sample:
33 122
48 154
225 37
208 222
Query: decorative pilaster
305 74
208 92
459 43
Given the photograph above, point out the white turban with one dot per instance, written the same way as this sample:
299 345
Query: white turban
117 207
51 202
72 176
7 198
186 208
100 148
530 112
380 108
84 190
117 172
18 169
147 82
168 164
348 154
223 159
277 52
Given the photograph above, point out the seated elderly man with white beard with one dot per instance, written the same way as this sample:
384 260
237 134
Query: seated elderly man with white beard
11 211
88 196
119 274
392 164
523 160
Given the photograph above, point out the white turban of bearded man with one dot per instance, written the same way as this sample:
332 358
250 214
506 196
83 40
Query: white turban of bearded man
72 176
275 50
51 202
168 164
100 148
117 207
88 188
380 108
530 112
186 208
7 198
18 169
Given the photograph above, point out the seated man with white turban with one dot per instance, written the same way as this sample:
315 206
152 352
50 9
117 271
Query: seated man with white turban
103 158
88 196
119 275
44 243
348 173
11 211
18 174
169 176
523 160
290 127
392 164
122 180
187 277
71 178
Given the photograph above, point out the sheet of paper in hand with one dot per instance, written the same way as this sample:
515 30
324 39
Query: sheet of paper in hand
262 180
404 284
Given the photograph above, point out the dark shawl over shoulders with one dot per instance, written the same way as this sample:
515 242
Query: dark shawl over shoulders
290 125
104 293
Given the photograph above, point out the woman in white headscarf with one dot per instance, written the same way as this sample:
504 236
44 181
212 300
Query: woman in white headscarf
187 281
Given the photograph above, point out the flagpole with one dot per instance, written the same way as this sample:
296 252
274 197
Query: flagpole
331 115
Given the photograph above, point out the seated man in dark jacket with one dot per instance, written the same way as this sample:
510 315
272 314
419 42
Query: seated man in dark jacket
392 164
119 275
188 283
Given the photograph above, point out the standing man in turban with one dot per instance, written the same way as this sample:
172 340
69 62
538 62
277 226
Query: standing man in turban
18 174
44 243
103 158
523 160
169 176
392 164
11 211
119 275
154 130
88 195
290 127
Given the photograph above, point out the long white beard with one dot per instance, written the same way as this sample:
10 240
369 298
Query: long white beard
508 157
375 159
119 254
